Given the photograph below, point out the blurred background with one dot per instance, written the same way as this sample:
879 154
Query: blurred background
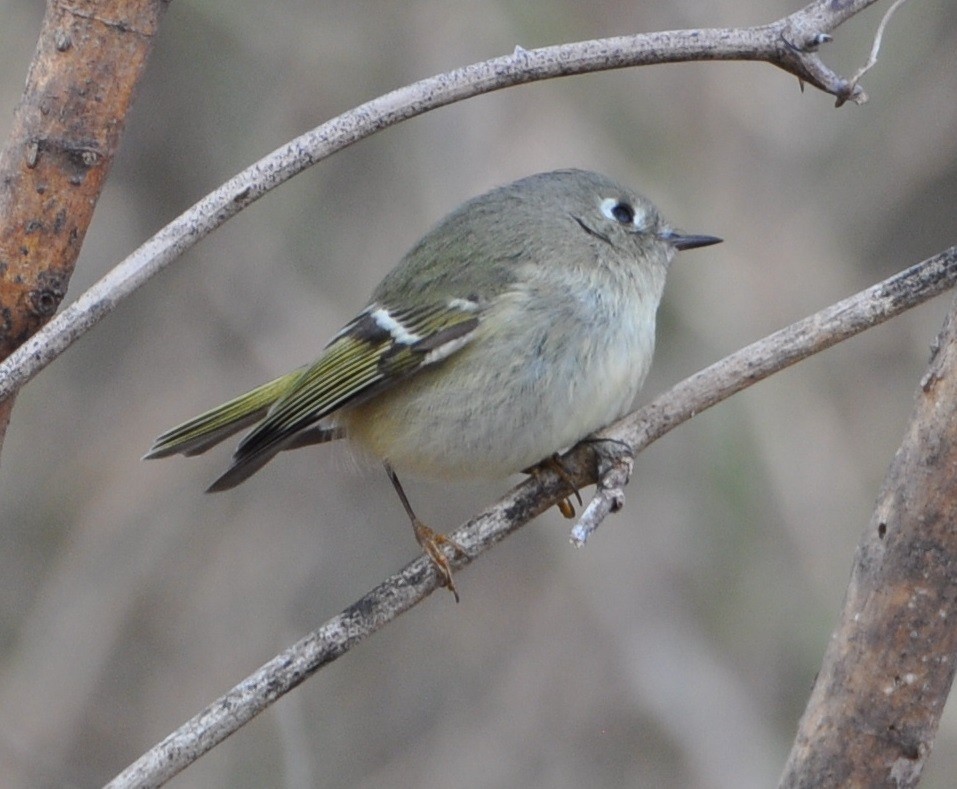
679 648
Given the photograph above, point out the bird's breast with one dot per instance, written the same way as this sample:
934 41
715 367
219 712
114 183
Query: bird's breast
539 376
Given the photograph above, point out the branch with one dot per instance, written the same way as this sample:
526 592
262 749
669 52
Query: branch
418 579
759 360
877 700
66 130
790 44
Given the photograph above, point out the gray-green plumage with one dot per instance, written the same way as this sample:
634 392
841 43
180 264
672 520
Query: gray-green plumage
518 325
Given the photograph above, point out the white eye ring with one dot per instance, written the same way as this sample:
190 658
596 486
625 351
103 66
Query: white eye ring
623 212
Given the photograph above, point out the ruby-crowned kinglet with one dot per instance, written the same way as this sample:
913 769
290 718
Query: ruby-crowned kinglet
522 322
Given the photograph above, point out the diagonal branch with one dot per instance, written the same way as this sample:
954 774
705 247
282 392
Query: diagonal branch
790 44
417 580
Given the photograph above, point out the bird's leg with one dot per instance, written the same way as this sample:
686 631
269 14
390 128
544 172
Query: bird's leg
565 506
430 540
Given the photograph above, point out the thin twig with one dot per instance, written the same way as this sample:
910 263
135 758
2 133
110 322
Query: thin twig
876 47
418 579
791 44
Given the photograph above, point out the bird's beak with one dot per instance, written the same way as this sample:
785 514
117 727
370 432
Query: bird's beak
682 241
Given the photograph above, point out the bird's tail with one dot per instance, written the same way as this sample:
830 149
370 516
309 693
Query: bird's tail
208 429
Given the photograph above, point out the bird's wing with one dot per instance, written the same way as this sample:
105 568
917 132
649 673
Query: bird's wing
379 348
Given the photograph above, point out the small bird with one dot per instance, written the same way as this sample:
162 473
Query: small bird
521 323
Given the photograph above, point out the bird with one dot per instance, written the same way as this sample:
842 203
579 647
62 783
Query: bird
521 323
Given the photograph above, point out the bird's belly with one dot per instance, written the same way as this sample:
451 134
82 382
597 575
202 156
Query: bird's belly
450 422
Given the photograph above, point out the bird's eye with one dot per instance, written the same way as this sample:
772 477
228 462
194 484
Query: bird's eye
618 210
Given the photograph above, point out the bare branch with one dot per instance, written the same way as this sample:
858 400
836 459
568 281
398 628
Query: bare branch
873 715
791 44
877 701
418 579
66 130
